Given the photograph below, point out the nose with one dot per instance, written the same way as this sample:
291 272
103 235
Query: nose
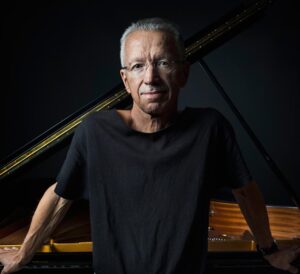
151 74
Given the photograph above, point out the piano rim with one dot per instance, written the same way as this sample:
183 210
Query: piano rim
217 245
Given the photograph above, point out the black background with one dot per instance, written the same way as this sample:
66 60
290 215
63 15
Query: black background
57 56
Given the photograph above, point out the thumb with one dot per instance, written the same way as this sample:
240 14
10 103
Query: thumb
8 269
2 267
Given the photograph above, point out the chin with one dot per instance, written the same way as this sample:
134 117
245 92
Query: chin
156 109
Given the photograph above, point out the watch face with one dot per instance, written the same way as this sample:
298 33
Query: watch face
268 251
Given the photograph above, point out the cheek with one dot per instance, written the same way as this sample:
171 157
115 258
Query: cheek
132 86
172 82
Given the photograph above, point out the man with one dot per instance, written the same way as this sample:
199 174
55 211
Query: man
149 201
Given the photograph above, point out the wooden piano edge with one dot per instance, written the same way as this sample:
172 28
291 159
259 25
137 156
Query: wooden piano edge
53 247
228 257
243 245
219 245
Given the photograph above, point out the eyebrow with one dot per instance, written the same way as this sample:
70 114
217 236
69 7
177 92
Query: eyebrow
154 59
137 60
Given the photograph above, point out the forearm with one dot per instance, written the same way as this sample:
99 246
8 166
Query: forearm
254 210
47 216
253 207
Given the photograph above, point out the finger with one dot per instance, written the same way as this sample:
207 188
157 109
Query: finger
293 269
9 248
297 251
5 249
295 247
7 270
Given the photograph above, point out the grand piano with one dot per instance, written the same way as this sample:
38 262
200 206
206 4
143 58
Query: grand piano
231 245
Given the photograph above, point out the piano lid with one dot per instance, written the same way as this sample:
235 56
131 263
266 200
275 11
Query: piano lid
195 47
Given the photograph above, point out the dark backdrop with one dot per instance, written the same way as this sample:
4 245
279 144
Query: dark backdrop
57 56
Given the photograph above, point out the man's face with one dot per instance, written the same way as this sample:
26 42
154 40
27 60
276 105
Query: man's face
154 72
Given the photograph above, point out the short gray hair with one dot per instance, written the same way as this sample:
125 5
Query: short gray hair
153 24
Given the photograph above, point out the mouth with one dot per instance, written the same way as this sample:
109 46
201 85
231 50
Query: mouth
153 94
157 90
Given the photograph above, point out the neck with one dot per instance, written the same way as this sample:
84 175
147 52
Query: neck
148 123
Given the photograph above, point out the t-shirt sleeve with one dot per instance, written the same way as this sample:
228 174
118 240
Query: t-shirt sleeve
231 170
71 181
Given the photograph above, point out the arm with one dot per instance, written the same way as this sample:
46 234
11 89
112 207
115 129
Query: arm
49 212
254 210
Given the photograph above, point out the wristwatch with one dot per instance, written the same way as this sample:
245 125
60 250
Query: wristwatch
267 251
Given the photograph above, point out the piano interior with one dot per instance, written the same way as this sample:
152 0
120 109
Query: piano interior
230 242
227 231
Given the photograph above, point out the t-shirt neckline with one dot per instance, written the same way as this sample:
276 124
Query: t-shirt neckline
122 123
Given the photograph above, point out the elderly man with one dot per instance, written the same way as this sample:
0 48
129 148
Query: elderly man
149 202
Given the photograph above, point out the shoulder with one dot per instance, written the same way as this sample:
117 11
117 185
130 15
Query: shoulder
208 114
209 119
93 121
96 118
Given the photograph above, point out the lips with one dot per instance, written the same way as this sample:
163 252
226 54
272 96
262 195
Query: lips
151 92
155 90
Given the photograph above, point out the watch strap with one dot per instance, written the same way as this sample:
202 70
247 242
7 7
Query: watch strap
268 251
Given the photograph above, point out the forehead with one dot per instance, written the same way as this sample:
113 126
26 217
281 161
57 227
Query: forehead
149 44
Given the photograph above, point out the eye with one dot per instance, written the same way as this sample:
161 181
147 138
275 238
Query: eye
163 63
137 67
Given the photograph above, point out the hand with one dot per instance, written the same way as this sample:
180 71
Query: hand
10 259
283 258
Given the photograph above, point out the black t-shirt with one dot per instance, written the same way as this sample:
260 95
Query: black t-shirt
149 192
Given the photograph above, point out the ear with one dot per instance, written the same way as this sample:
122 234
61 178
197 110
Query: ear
184 74
125 80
